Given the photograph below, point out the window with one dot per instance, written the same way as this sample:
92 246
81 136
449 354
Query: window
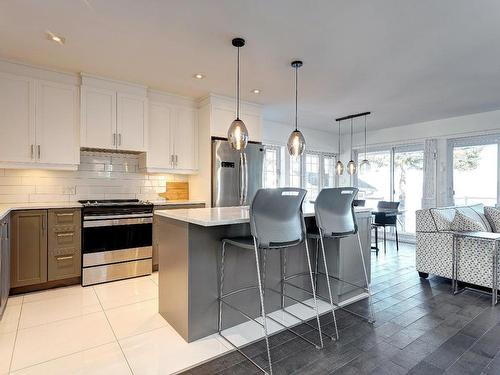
271 170
312 175
395 174
295 171
329 170
475 170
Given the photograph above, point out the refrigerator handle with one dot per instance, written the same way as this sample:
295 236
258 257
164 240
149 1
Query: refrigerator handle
245 178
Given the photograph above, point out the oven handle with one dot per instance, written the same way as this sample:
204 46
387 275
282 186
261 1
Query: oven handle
114 222
113 217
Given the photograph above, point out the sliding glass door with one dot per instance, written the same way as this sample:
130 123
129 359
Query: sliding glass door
395 174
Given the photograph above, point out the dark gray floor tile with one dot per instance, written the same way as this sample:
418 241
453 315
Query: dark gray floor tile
413 353
469 363
445 355
389 368
424 368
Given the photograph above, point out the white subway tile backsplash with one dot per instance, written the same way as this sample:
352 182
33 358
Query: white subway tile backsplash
100 175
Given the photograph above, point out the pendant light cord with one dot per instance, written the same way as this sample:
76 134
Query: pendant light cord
296 94
365 137
339 140
238 86
351 139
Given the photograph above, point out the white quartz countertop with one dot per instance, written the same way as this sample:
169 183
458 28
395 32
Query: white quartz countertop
209 217
164 202
5 209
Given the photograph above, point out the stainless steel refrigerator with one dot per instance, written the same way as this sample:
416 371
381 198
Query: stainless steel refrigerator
236 176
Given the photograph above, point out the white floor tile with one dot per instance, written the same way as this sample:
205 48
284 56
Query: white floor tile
154 277
136 318
6 347
54 293
163 351
125 292
15 300
53 340
58 308
10 318
103 360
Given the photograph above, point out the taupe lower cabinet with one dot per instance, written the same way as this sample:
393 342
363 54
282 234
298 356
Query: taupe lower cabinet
45 246
64 244
28 248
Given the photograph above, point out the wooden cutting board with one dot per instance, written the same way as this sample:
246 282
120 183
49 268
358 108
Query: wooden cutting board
176 191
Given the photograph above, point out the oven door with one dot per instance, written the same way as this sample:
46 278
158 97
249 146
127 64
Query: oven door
116 234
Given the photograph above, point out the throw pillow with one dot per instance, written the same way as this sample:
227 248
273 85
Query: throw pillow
463 223
493 216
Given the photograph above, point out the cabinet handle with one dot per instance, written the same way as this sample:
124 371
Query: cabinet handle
176 159
32 151
114 139
66 214
65 257
120 139
65 234
39 152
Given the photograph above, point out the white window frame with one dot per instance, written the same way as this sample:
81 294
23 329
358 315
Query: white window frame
278 163
480 140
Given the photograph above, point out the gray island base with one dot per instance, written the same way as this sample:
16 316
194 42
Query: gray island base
189 254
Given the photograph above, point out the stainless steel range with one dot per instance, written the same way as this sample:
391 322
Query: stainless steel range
116 240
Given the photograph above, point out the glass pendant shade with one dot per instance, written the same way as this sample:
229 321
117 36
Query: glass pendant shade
364 166
339 168
296 143
351 167
237 135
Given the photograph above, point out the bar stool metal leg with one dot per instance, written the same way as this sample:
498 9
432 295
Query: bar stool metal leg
327 274
316 265
261 294
221 286
368 288
282 276
314 293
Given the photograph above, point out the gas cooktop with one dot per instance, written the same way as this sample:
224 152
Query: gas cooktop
113 202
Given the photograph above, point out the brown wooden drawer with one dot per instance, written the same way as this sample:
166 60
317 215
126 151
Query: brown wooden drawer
64 244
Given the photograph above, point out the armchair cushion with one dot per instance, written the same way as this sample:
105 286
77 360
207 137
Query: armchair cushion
464 223
493 216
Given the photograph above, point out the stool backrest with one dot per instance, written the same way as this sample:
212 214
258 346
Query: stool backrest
387 205
276 216
335 211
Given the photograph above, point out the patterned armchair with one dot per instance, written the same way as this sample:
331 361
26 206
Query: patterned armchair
434 228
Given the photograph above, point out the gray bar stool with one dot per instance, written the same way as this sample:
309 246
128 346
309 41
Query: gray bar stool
335 218
276 223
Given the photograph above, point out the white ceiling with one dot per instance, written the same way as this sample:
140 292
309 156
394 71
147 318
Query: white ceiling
407 61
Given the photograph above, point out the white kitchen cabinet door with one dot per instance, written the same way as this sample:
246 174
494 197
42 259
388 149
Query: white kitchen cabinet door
98 118
185 135
57 123
17 118
159 153
132 115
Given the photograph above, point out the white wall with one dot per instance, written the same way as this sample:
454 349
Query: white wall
277 133
444 129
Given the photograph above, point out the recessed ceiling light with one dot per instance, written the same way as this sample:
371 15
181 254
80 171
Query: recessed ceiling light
256 91
199 76
55 38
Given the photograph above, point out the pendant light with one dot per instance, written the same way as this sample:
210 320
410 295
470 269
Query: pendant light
351 166
365 164
237 134
296 143
339 167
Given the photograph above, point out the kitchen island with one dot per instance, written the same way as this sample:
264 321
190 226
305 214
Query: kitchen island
189 252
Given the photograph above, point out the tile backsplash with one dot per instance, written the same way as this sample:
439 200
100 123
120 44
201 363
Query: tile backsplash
101 175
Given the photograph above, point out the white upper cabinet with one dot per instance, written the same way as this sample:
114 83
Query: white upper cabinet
17 118
185 140
132 116
98 111
38 123
57 123
160 153
173 139
114 115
